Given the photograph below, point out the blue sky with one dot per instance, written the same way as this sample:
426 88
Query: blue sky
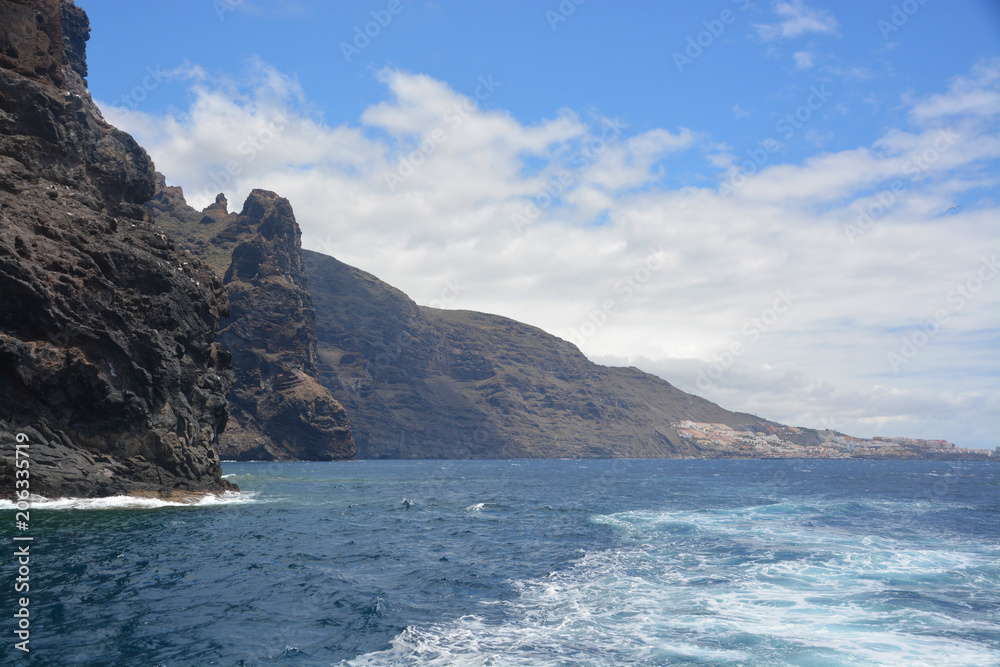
614 58
663 183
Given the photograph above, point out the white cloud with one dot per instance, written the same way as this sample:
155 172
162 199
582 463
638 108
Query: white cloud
977 95
593 197
797 20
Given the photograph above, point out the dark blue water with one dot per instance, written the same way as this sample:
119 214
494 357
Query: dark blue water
529 563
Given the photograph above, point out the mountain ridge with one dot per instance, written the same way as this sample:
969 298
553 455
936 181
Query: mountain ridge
419 377
422 382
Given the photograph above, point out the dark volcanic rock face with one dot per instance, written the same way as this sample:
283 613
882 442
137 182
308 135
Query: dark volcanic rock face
280 411
426 383
107 354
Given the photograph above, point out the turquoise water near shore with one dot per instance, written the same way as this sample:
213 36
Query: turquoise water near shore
530 563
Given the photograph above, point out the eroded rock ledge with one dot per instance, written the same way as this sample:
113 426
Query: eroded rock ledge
108 359
280 410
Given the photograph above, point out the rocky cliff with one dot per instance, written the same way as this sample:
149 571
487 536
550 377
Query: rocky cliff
280 410
108 361
426 383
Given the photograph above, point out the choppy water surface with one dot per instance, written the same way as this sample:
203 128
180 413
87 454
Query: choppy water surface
529 563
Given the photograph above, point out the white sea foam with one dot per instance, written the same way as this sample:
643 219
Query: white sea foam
131 502
478 507
670 595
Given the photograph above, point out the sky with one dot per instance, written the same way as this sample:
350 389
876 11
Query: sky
788 207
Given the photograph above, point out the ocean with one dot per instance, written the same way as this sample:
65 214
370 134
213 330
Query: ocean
798 562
